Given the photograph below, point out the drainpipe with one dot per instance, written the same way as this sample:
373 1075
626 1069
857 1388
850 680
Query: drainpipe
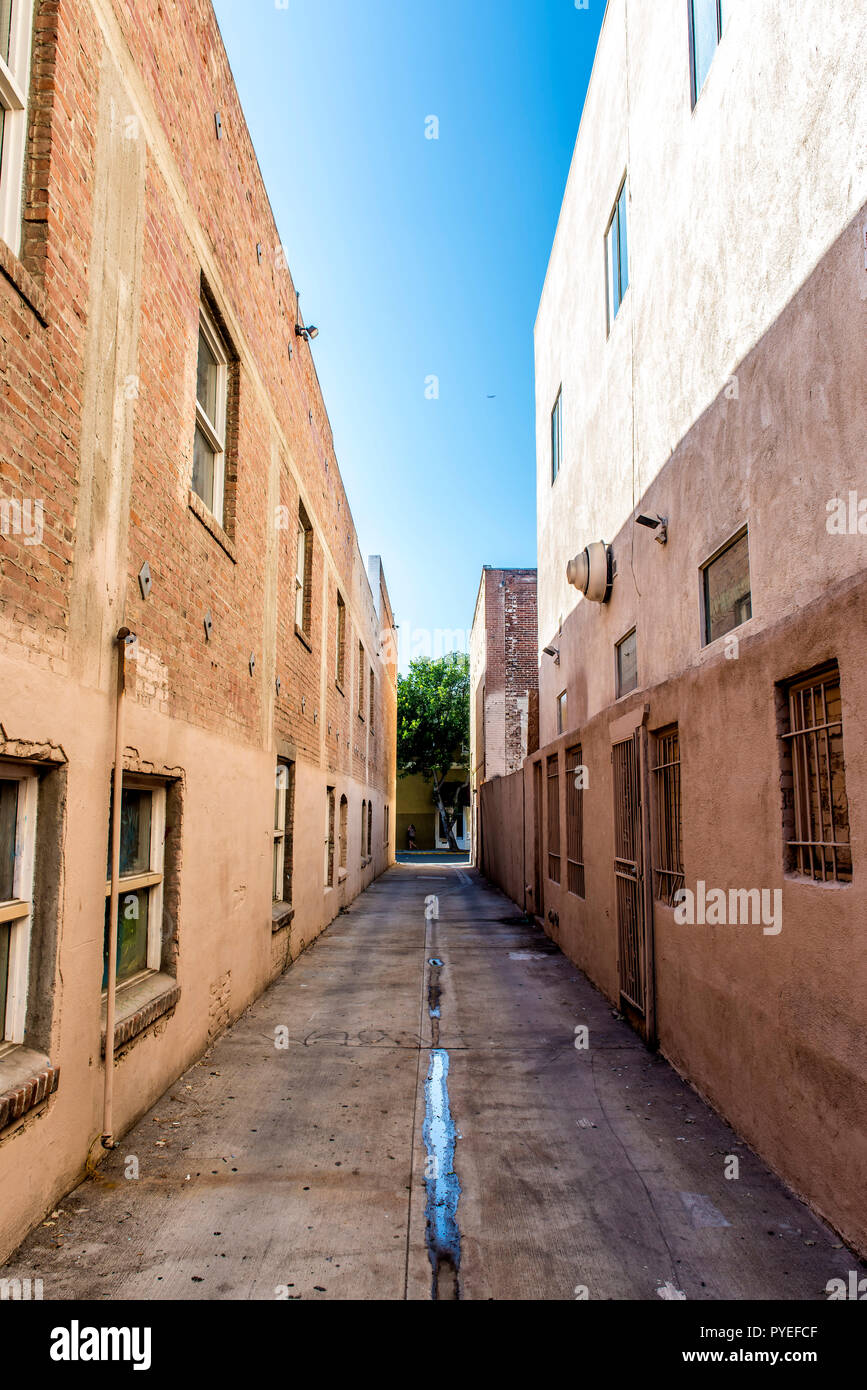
125 639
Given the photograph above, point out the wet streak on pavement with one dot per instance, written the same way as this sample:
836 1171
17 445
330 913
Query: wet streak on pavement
441 1181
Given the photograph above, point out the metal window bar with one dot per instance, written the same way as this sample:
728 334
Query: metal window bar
574 824
554 818
627 871
820 847
668 872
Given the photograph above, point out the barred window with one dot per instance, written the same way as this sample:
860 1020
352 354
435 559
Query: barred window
668 871
575 821
815 805
554 818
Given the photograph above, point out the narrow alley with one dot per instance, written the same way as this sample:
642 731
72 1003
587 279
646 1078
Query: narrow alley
409 1112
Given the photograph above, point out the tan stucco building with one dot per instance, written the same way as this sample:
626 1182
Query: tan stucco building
693 830
168 471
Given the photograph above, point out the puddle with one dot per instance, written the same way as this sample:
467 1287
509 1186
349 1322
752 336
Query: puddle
441 1181
443 1185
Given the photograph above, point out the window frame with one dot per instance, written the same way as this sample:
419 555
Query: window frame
214 431
151 881
330 834
15 101
362 662
798 850
669 876
575 825
706 639
557 436
695 90
562 712
17 912
552 817
340 641
621 693
282 834
304 572
612 309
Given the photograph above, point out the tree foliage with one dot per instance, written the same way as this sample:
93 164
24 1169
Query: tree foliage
433 724
433 715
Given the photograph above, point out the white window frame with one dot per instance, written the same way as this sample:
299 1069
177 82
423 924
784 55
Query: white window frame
150 880
612 255
18 910
14 92
215 430
302 560
281 785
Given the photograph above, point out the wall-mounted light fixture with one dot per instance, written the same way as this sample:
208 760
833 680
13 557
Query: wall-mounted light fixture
658 524
554 652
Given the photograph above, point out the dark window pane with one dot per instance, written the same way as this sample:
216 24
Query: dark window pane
203 470
207 373
5 28
8 823
705 37
627 664
132 936
135 832
728 601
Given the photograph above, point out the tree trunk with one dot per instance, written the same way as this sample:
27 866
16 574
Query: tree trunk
448 820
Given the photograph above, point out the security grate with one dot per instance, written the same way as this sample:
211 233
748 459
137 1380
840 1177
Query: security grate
574 822
669 817
819 809
627 871
554 818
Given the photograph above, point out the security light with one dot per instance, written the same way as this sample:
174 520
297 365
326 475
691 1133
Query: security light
658 524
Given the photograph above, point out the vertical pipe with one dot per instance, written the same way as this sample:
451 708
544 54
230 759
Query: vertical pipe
117 796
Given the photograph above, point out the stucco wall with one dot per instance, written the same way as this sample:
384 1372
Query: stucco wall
731 207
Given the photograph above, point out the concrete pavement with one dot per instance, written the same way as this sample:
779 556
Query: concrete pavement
406 1111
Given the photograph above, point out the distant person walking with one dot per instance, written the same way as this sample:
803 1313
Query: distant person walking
410 837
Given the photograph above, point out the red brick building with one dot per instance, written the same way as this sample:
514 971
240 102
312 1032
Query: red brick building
167 467
504 681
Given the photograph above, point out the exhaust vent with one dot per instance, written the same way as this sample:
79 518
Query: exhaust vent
592 572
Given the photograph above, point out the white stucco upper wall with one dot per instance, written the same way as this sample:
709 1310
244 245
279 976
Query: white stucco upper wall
731 206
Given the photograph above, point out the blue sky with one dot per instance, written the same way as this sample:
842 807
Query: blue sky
418 257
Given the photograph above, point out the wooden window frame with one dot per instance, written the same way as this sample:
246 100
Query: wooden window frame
214 431
151 880
17 911
340 643
14 99
304 574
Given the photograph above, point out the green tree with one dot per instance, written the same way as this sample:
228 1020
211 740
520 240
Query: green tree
433 726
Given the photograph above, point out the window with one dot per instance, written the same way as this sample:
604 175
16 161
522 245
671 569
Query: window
329 841
340 665
18 795
372 690
16 18
386 826
140 890
727 599
562 713
627 664
554 818
575 821
304 573
369 829
284 807
361 680
707 22
363 828
212 397
815 804
344 831
668 871
557 436
617 257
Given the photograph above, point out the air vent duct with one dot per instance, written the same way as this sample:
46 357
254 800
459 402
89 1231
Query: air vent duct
592 572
